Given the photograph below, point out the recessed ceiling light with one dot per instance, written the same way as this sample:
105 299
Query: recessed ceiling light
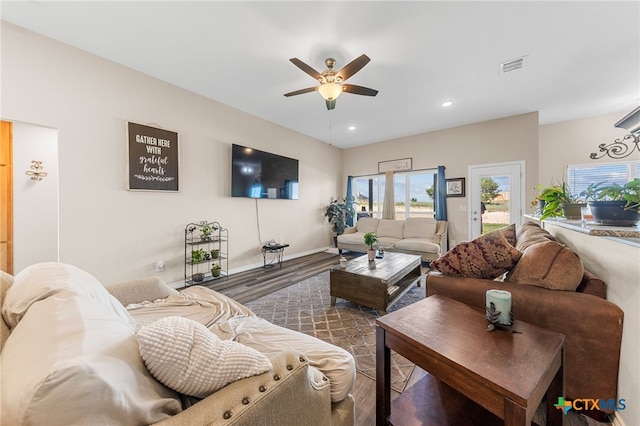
352 127
447 103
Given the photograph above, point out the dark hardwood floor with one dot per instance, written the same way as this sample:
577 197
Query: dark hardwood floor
250 285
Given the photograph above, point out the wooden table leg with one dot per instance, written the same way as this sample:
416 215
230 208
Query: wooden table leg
555 416
514 414
383 378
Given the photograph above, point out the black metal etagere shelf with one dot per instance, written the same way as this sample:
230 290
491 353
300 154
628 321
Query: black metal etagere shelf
205 244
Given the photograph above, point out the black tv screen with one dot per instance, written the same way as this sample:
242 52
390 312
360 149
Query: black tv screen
259 174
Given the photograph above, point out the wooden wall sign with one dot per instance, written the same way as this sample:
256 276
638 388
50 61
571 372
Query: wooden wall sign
395 165
153 158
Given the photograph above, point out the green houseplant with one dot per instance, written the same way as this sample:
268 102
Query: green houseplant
560 201
215 253
205 232
197 256
370 239
215 270
614 204
336 214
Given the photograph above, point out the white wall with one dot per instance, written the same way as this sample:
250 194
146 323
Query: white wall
507 139
35 207
116 234
572 142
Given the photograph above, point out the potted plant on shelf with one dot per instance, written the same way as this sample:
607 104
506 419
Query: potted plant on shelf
560 201
614 204
205 232
336 214
197 256
215 270
370 239
215 253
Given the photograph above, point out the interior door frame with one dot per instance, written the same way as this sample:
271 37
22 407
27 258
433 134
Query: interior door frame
475 172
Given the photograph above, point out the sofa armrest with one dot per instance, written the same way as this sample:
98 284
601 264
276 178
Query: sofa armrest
591 325
350 230
291 393
141 290
440 237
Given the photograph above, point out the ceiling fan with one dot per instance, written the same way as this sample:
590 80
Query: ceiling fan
331 81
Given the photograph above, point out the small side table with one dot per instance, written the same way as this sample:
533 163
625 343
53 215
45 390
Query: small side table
277 250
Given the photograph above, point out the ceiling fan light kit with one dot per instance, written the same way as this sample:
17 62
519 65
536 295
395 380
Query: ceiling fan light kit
331 81
330 91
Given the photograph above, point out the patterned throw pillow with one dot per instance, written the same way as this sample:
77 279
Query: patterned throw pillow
488 256
509 233
186 357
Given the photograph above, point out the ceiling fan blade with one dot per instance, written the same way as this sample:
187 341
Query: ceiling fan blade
306 68
301 91
358 90
331 104
353 67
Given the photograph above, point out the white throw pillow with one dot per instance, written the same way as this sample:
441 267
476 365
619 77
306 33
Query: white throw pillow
420 227
390 228
187 357
43 280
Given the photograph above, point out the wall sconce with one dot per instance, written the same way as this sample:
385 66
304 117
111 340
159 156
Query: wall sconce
35 173
624 147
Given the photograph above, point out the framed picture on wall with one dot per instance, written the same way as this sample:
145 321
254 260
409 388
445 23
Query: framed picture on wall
152 158
455 187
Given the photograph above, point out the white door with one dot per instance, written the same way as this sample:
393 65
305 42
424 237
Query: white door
496 194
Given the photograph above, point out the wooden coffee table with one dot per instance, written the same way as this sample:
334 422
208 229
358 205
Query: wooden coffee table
506 373
376 284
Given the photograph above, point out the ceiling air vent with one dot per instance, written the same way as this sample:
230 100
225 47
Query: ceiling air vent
512 65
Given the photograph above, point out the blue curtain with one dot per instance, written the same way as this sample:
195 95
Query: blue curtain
441 195
349 197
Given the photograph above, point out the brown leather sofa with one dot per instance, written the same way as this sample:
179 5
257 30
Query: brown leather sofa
592 326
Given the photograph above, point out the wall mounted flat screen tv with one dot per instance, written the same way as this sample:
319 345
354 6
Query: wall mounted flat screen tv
259 174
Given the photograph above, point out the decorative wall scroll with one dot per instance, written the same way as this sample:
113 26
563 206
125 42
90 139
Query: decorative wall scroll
455 187
153 158
395 165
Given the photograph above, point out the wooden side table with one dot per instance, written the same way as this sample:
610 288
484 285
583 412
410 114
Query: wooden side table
277 250
504 372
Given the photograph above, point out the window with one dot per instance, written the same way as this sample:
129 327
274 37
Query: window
413 193
581 176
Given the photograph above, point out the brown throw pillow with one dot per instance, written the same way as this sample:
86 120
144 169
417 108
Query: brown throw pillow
488 256
509 233
550 265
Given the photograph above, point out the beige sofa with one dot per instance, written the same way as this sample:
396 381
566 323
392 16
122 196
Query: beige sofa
425 237
73 354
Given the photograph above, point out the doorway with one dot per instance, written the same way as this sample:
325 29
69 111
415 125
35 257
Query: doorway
6 197
495 196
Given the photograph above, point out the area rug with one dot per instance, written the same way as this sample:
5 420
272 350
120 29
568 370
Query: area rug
306 307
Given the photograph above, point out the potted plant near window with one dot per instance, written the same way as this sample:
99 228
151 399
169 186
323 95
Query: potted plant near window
538 202
559 201
370 239
336 214
614 204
